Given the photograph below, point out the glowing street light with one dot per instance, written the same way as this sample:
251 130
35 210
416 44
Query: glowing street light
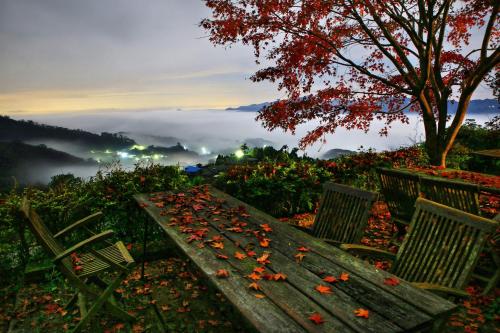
239 153
138 147
122 154
204 151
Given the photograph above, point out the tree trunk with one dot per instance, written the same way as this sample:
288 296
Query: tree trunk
438 143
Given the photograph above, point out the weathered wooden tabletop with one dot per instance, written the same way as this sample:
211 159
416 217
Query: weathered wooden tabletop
194 220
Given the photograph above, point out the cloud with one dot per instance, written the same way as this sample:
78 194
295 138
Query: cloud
62 55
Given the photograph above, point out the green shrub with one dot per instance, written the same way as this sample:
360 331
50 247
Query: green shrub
68 199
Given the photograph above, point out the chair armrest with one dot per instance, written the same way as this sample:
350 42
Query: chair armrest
367 251
304 229
436 288
88 241
79 223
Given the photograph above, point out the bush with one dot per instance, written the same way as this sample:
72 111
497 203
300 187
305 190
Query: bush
291 185
68 199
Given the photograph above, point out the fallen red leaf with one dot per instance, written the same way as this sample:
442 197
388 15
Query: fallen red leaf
266 227
391 281
265 242
323 289
221 256
222 273
344 277
362 313
259 269
254 286
279 276
218 245
303 249
254 276
330 279
263 259
316 318
299 257
239 255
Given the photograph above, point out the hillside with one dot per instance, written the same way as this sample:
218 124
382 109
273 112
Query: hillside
29 131
28 163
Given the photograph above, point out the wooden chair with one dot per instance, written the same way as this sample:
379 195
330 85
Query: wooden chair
400 190
458 195
491 275
343 214
440 250
83 274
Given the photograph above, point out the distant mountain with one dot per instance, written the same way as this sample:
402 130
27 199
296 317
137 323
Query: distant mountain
336 152
249 108
29 131
477 106
27 162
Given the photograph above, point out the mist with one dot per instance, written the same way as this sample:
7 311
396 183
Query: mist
215 131
207 133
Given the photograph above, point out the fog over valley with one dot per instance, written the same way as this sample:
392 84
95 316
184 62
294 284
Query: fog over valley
188 137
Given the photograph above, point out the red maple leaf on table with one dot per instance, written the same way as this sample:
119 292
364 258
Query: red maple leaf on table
344 277
218 245
330 279
222 273
323 289
264 259
391 281
265 242
299 257
254 276
316 318
254 286
279 276
266 227
239 255
362 313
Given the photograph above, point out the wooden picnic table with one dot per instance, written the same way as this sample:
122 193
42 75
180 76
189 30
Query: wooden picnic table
287 305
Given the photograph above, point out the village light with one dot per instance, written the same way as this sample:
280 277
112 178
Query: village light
122 154
138 147
239 153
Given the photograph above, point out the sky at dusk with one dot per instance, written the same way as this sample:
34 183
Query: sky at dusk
87 55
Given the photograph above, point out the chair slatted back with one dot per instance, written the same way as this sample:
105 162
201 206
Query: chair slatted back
458 195
44 235
400 190
442 246
343 213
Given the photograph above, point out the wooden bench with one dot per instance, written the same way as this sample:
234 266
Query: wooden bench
224 237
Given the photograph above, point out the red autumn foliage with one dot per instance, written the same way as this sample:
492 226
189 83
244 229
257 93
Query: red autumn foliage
401 64
316 318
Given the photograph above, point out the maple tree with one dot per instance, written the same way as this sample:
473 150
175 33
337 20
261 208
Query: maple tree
349 62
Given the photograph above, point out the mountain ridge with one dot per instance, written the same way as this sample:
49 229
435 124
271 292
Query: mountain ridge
477 106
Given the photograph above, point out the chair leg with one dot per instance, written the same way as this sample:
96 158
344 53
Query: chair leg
118 312
493 282
71 301
98 303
